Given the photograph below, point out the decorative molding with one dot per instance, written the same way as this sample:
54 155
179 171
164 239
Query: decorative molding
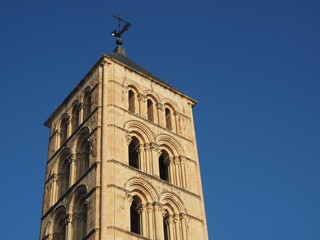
118 187
128 232
195 218
91 233
153 177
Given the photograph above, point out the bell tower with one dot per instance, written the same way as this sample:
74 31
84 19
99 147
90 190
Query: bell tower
122 159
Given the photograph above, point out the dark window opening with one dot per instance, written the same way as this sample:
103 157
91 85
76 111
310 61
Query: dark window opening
133 153
64 131
150 110
75 118
163 166
168 119
86 105
165 227
135 217
131 101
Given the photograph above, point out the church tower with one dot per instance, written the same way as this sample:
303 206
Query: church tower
122 159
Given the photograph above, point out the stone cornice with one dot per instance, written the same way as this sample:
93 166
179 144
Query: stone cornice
128 232
194 102
91 233
154 178
195 218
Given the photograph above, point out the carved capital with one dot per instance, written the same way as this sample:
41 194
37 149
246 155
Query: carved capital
72 158
158 206
168 161
68 219
142 97
182 216
176 218
129 198
160 106
149 207
128 138
182 159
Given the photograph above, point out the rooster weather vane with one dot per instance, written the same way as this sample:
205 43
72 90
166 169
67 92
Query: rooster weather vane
118 33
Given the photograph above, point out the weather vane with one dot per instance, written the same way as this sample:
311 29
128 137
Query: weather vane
118 33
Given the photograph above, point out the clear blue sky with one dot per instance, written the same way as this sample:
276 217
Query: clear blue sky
253 66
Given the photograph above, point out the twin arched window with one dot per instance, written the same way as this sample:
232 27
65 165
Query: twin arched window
78 220
75 117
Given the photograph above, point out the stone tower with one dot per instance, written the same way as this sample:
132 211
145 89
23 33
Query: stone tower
122 159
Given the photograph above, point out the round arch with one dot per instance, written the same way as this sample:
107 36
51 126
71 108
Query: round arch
167 142
172 202
141 129
144 190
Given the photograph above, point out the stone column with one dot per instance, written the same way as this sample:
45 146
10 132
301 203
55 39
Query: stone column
168 162
72 169
148 158
143 220
151 226
154 157
142 105
58 139
161 117
129 200
142 159
177 122
177 170
80 113
68 122
176 220
183 226
169 222
68 222
158 209
54 189
183 171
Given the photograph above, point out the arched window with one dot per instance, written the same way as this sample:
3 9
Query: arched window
150 110
82 156
131 100
163 165
134 153
135 218
64 131
59 226
87 105
168 119
63 174
75 117
79 220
